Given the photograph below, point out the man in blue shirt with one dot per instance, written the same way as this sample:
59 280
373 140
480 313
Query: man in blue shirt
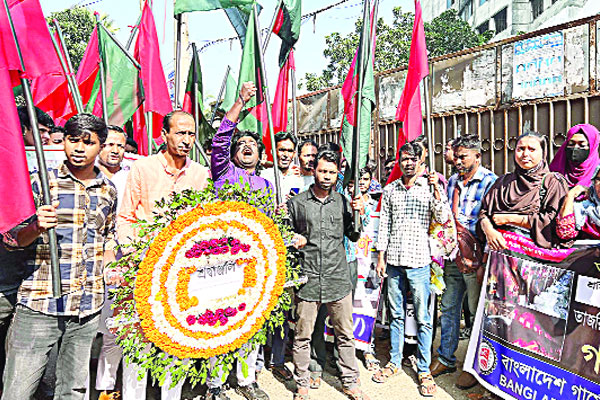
466 190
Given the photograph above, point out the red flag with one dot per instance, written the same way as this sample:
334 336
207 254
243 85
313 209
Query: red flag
15 187
280 103
147 53
49 87
409 107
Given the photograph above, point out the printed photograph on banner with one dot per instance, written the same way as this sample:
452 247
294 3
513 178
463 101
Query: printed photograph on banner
527 304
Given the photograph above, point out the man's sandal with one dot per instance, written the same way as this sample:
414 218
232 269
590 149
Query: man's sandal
315 380
355 394
385 373
427 386
371 363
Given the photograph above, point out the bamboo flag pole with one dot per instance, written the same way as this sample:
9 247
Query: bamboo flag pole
178 60
294 103
67 67
42 169
196 106
267 99
63 66
221 92
365 44
428 122
271 26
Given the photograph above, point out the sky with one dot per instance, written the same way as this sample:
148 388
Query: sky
208 26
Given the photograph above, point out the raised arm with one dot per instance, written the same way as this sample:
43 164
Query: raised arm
220 160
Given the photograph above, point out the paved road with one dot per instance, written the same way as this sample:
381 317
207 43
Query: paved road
403 386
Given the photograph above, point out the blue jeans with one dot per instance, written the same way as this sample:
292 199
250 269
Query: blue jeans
31 336
457 285
399 282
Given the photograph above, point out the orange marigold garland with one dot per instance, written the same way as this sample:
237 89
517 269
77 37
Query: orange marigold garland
207 277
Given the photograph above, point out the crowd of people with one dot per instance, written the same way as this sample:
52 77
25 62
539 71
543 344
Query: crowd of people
96 201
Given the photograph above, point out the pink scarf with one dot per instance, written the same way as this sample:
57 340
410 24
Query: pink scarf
578 174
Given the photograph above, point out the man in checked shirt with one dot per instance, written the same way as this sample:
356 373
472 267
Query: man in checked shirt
407 208
83 214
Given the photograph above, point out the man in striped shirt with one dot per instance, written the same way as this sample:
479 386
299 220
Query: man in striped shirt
83 214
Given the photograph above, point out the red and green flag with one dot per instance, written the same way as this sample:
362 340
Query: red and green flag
124 89
183 6
287 26
361 64
255 113
205 130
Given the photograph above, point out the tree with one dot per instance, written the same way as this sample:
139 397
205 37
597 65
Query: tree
77 25
447 33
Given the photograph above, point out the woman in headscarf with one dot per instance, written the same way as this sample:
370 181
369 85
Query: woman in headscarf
577 158
525 201
581 218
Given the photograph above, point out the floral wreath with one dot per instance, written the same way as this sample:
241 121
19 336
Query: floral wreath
206 277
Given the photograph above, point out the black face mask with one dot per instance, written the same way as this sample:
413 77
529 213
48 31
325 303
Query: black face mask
577 155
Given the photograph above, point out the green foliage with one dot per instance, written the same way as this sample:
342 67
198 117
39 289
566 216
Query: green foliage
447 33
77 25
129 337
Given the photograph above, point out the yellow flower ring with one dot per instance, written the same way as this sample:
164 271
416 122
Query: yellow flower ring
206 304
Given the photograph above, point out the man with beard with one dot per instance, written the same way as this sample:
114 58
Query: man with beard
321 217
407 208
150 179
307 151
83 212
235 157
466 190
291 183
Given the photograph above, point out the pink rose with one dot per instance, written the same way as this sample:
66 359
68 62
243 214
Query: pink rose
191 320
230 311
242 307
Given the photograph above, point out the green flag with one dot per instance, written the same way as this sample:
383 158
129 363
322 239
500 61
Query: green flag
205 131
254 114
124 90
231 93
363 64
182 6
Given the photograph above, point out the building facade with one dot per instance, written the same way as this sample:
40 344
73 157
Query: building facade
511 17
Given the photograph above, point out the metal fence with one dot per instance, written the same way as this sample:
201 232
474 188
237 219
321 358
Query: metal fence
544 79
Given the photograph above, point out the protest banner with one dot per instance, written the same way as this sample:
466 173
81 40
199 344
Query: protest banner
537 330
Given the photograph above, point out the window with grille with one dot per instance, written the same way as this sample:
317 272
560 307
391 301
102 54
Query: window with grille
537 8
500 20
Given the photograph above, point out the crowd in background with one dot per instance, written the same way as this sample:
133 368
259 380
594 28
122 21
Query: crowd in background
96 200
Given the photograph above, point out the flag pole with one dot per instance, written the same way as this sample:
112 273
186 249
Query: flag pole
271 26
133 32
149 128
177 61
196 109
42 169
267 99
428 122
63 66
221 91
294 103
358 105
67 66
102 77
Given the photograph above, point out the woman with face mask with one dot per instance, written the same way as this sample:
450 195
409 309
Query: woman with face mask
525 201
581 219
577 158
